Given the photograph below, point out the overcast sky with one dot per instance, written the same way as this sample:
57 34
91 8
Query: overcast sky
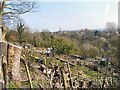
72 15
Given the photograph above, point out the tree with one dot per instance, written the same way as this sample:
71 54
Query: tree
11 36
111 26
93 52
21 32
36 41
11 10
60 46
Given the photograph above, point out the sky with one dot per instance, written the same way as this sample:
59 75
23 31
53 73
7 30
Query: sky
72 14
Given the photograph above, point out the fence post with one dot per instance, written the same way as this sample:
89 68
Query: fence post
1 73
0 34
3 62
71 83
63 78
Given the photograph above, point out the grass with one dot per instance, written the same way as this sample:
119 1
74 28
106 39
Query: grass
90 73
13 85
25 84
86 71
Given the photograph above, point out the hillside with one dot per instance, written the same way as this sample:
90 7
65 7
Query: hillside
32 57
78 59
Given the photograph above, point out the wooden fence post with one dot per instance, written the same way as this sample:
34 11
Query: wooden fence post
28 74
1 73
3 62
71 84
63 78
0 33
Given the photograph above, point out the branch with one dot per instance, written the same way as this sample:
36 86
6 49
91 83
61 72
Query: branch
7 13
21 7
13 10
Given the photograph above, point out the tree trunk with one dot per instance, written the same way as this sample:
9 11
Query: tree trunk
14 53
2 4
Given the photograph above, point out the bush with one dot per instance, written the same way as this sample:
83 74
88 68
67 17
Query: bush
61 47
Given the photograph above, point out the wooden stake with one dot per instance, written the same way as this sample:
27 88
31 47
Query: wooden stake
5 73
28 74
70 76
63 78
3 62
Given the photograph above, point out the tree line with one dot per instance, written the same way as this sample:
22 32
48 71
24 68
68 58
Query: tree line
87 43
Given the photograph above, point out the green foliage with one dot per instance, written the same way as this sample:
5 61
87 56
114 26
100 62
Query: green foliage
93 52
36 42
89 51
113 61
13 85
11 36
61 47
83 43
90 73
21 32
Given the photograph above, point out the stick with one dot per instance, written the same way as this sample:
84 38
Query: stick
64 79
28 74
70 76
5 71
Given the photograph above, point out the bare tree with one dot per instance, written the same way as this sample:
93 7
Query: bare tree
11 10
111 26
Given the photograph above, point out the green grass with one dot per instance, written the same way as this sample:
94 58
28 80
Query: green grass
13 85
25 84
90 73
85 70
